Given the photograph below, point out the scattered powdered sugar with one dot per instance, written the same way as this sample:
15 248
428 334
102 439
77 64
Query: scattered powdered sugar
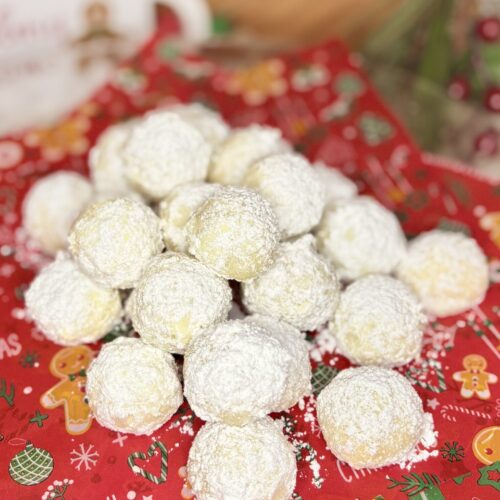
421 452
184 424
323 343
303 449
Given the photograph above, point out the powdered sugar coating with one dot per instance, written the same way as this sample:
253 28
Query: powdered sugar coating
448 271
209 124
176 209
378 322
298 379
241 149
293 189
68 307
133 387
254 462
370 417
176 299
359 237
337 186
113 241
162 152
52 205
106 162
234 232
300 287
236 373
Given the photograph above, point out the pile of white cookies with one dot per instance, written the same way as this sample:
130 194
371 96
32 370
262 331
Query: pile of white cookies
179 206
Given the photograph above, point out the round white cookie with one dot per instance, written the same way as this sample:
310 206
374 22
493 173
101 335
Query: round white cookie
209 123
106 162
235 232
336 185
163 151
237 373
242 148
254 462
70 308
292 187
176 299
113 240
448 271
299 287
379 321
359 237
298 380
370 417
52 205
133 387
176 209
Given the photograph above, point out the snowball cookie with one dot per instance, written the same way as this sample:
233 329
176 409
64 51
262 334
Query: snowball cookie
448 271
254 462
337 186
113 241
293 189
241 149
176 299
52 205
133 387
106 162
370 417
70 308
237 373
176 209
235 232
208 123
300 287
378 322
162 152
298 380
359 237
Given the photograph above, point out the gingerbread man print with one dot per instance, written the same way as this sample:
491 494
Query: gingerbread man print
474 378
70 365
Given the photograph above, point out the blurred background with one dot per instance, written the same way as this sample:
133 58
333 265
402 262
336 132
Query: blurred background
436 62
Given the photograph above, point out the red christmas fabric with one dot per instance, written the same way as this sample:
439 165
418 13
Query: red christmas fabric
326 107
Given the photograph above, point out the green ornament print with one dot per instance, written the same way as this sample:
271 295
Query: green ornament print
31 466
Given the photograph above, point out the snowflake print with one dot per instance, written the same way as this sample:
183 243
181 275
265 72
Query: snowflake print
452 452
86 457
29 360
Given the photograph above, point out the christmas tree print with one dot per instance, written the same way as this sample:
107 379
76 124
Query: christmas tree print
31 466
